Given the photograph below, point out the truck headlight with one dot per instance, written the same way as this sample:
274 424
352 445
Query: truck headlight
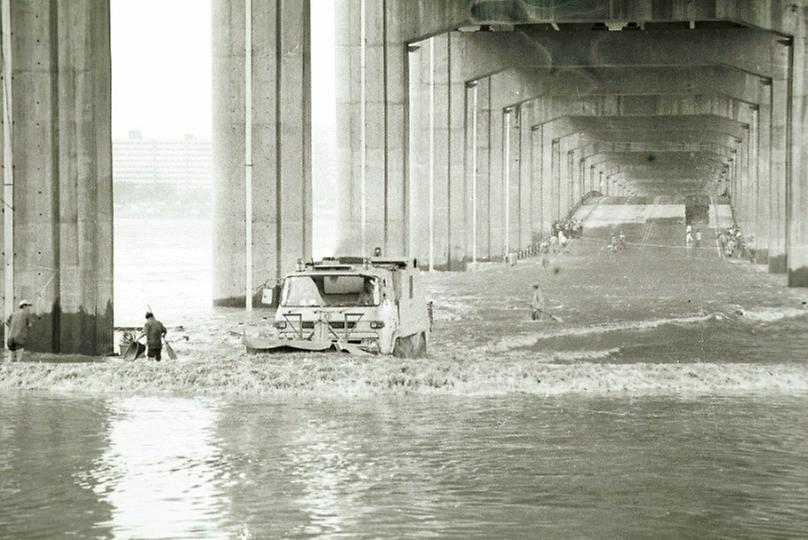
376 325
280 325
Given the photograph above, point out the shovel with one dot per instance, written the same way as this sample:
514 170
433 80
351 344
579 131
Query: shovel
170 350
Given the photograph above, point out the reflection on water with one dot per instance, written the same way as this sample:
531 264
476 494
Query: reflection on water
159 470
48 447
498 467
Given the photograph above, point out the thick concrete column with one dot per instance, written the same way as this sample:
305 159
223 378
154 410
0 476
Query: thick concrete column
374 81
555 165
394 105
421 153
745 154
62 167
471 159
754 180
798 192
281 143
565 175
777 185
510 181
536 199
514 188
458 189
548 186
496 199
527 221
762 211
442 151
484 150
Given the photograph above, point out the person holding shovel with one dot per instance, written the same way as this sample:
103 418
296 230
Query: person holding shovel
537 303
154 332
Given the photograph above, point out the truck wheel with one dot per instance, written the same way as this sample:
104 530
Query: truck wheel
422 348
403 347
398 348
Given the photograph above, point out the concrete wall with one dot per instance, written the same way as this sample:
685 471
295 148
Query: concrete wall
62 155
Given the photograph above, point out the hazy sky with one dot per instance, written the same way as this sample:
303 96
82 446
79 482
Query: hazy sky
161 66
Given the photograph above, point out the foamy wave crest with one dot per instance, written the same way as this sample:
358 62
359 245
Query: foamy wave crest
771 314
339 376
585 355
525 341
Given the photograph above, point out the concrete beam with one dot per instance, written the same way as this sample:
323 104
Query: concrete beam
753 51
773 15
516 86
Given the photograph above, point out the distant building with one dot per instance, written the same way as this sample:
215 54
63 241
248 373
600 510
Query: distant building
186 162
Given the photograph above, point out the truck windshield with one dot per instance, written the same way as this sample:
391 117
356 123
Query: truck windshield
329 290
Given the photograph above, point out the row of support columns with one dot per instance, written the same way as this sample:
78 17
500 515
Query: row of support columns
493 161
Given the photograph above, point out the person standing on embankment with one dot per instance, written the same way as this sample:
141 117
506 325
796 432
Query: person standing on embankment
17 327
154 332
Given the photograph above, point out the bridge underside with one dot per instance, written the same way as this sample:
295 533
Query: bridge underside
465 128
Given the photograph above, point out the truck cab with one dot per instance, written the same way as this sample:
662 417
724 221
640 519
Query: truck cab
377 305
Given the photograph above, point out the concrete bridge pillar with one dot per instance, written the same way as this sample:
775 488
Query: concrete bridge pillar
763 198
798 194
556 183
529 202
779 169
61 159
281 144
484 176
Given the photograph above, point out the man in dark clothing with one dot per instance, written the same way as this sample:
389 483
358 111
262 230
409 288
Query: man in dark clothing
17 327
154 332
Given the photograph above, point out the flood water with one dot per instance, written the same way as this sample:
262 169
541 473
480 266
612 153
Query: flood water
175 467
669 402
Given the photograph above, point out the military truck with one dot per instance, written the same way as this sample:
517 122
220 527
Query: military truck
349 304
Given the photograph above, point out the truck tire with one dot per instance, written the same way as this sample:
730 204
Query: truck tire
402 348
421 351
405 347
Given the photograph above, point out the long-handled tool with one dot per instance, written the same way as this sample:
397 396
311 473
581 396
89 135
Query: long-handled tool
544 312
170 350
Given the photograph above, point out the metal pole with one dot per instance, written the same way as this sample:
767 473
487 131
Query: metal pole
413 84
362 129
248 214
8 164
506 173
474 174
431 154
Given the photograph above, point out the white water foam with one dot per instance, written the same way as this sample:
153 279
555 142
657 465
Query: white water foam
340 376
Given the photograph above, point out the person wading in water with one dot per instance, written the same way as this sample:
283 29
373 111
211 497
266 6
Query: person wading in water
17 327
537 304
154 332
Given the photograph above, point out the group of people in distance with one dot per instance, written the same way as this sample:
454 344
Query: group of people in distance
561 232
617 241
731 243
568 228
